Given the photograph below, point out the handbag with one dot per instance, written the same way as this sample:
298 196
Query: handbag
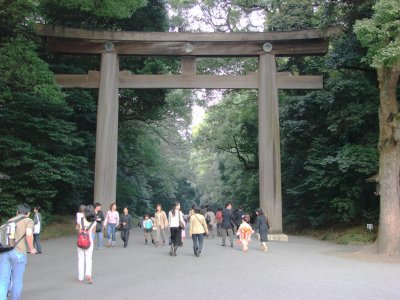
181 224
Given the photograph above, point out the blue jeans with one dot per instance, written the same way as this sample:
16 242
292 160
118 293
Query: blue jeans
197 242
12 267
111 228
99 239
36 242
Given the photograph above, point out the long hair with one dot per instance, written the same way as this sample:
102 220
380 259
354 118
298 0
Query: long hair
90 214
174 208
111 205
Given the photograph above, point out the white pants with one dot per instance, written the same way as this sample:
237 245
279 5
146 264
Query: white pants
85 262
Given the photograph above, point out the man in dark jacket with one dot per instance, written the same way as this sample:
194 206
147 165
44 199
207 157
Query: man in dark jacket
125 222
238 217
227 224
99 225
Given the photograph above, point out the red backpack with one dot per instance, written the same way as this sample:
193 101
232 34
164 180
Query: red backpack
84 236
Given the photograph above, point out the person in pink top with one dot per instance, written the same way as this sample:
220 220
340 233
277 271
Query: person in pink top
111 222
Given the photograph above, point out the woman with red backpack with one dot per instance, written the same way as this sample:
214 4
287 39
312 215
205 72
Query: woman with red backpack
87 226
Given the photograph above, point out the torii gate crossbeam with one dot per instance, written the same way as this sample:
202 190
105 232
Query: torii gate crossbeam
264 45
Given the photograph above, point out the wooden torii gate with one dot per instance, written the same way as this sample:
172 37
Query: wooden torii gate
264 45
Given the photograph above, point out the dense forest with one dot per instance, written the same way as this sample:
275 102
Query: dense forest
329 137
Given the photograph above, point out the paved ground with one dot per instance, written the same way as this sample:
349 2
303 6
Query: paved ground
301 269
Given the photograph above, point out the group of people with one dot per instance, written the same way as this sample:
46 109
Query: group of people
200 220
13 259
91 220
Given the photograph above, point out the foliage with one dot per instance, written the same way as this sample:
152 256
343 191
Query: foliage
328 137
105 8
381 33
48 136
347 236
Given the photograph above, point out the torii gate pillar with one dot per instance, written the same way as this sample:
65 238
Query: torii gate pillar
105 179
269 145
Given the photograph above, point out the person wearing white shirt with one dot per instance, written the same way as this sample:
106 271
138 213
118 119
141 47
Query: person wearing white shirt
176 224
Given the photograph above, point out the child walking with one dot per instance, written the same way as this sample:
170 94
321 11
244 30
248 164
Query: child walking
244 232
148 228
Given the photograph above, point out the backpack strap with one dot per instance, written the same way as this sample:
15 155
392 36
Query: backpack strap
199 222
83 226
16 220
22 237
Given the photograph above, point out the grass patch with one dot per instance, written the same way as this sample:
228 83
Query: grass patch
346 236
58 227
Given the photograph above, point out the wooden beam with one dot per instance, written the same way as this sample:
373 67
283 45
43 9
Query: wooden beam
92 35
269 159
201 49
189 81
105 179
188 65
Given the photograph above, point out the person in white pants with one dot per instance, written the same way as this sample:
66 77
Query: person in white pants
85 255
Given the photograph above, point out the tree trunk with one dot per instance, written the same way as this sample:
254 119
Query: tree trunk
388 241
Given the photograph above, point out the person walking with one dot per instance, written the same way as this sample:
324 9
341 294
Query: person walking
13 262
198 228
148 229
210 220
227 224
262 227
85 255
79 215
111 223
99 225
239 217
37 227
218 220
126 226
161 223
176 224
244 232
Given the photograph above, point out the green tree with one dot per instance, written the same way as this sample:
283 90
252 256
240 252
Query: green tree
381 36
38 138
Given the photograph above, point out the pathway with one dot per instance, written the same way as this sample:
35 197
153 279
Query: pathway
301 269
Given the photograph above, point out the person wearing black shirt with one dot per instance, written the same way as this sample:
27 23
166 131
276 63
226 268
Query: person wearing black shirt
99 225
125 225
227 224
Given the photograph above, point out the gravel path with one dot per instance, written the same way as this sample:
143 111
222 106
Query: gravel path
301 269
